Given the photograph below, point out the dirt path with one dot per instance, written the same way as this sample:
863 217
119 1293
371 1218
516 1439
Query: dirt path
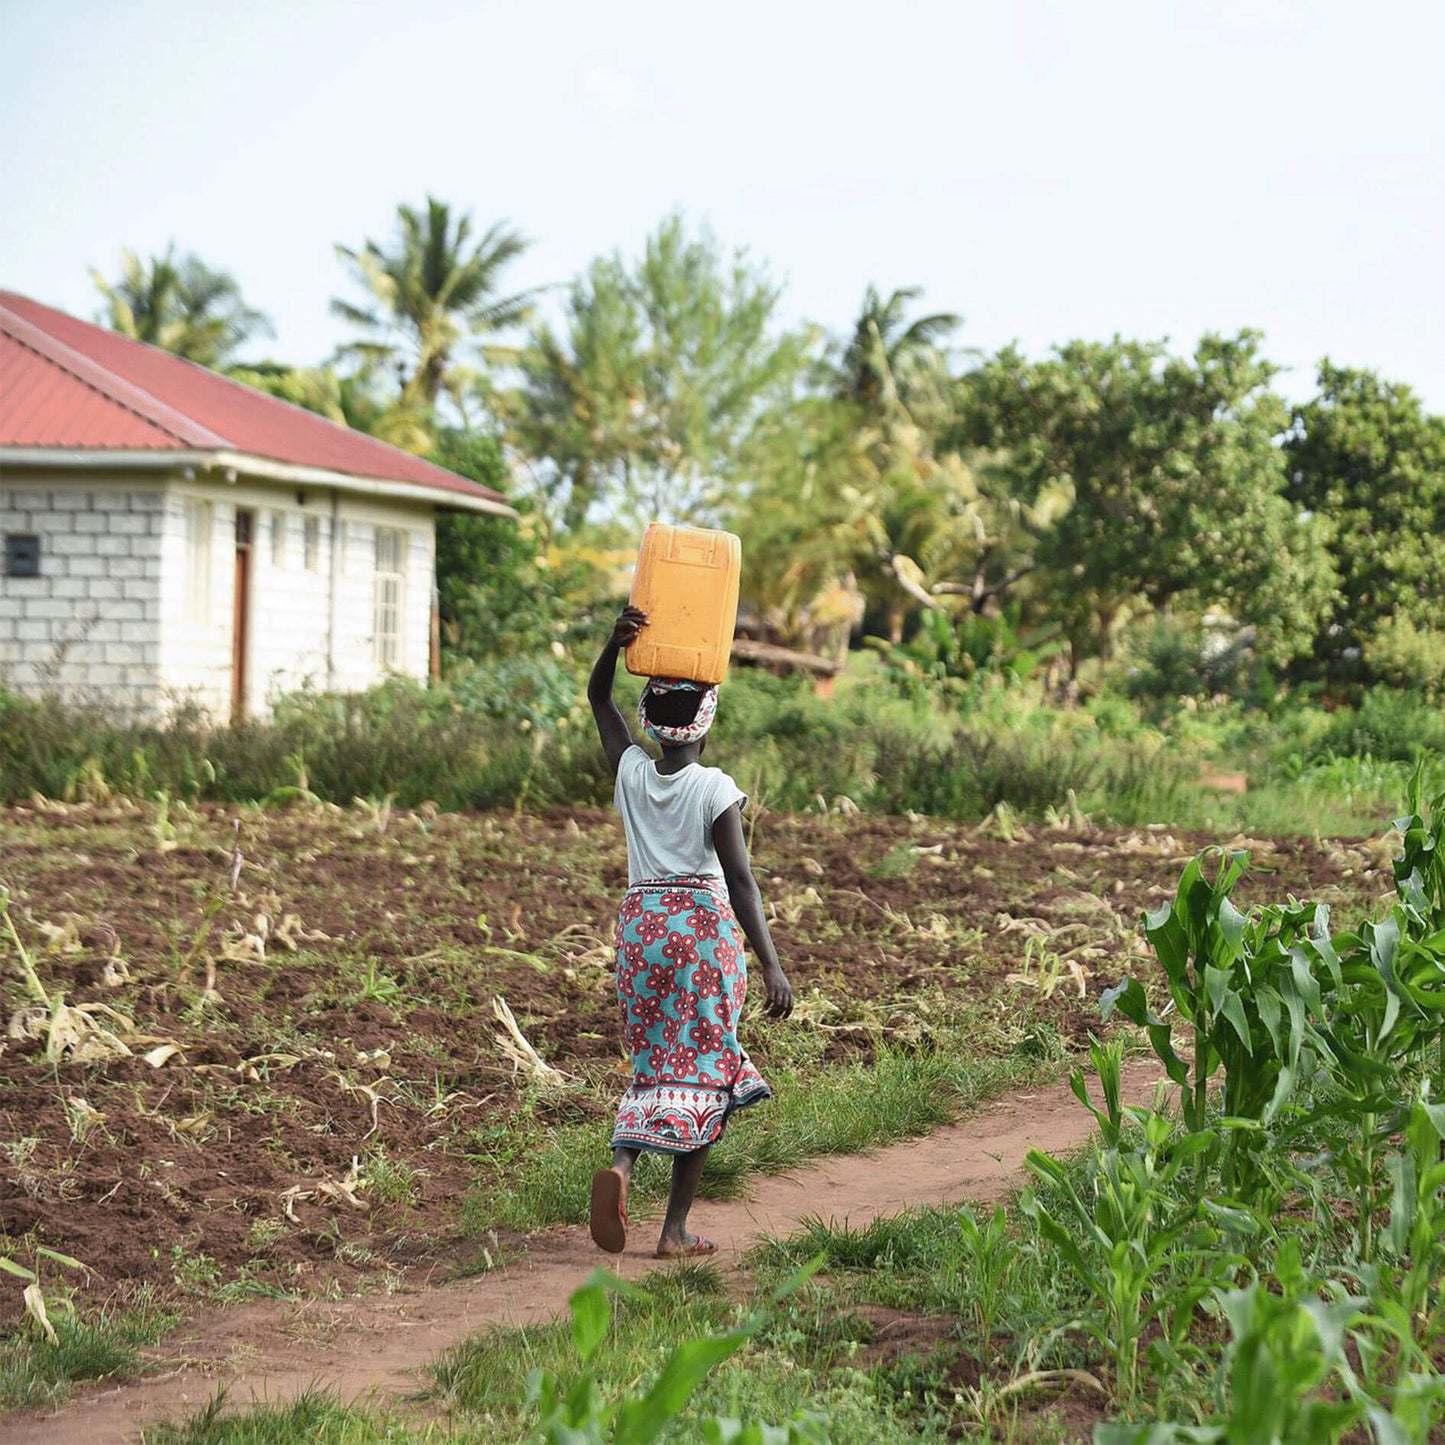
373 1346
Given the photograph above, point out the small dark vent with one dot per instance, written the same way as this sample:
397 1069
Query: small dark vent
22 555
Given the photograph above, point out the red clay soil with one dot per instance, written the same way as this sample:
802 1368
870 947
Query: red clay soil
372 1347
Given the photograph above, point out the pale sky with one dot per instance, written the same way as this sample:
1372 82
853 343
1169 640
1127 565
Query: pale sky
1050 169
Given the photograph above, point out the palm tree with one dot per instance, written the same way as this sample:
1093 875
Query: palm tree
430 291
180 305
885 361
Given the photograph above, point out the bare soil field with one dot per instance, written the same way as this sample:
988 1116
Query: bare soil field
301 1060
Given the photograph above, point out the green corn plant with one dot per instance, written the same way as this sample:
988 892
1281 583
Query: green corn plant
1383 1015
1245 987
1284 1354
1403 1281
991 1258
1286 1377
1143 1244
1420 867
1108 1062
1420 881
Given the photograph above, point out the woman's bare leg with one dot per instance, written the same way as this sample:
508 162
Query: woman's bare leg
686 1173
622 1161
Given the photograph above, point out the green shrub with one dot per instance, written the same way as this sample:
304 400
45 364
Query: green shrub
1388 725
517 732
1408 656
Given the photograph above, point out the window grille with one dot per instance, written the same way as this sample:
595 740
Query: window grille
389 584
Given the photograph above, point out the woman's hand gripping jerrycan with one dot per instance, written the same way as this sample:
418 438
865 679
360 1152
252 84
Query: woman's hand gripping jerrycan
687 583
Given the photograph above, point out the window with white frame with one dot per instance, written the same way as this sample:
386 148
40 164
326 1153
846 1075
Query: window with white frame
278 539
389 586
311 543
198 559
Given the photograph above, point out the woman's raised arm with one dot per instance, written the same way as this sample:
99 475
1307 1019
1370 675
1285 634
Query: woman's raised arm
611 727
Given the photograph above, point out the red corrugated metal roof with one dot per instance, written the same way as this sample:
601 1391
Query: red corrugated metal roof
67 383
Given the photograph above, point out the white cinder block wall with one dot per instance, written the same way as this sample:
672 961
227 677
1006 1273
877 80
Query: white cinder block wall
118 615
90 624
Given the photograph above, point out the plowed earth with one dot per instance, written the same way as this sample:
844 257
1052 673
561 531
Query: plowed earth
338 1006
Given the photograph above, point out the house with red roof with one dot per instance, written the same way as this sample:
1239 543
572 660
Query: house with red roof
172 534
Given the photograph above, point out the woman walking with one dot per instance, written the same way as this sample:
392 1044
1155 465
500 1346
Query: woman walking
681 970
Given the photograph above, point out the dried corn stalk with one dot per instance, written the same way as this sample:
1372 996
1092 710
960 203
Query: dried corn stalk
336 1191
73 1031
523 1057
367 1092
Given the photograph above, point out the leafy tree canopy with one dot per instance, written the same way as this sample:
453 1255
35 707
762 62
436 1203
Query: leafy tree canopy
639 407
502 591
856 506
1366 455
888 360
351 399
1176 484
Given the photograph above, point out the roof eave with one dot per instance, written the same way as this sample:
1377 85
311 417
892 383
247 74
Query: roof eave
244 464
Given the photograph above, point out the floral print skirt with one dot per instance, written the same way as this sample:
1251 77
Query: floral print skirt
681 981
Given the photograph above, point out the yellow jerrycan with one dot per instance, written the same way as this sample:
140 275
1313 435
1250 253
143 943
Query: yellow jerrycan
687 583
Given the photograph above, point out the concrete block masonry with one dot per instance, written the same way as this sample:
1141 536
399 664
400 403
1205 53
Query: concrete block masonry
121 607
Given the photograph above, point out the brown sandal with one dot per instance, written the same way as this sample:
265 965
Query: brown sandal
608 1218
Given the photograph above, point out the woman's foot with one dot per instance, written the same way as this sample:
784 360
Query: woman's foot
690 1246
608 1216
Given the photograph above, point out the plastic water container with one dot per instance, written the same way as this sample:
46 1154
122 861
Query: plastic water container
687 583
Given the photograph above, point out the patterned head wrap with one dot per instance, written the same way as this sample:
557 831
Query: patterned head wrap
691 732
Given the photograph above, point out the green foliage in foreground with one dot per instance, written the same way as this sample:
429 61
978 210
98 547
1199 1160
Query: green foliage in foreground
675 1360
580 1413
1332 1117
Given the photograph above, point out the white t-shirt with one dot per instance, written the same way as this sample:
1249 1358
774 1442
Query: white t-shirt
668 817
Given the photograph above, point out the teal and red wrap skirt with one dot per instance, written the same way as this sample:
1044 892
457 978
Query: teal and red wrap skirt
681 982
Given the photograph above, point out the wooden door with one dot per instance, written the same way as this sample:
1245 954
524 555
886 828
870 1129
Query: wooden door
241 613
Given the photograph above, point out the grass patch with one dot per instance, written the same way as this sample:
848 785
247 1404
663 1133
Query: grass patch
844 1110
968 1263
483 1378
315 1418
35 1373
